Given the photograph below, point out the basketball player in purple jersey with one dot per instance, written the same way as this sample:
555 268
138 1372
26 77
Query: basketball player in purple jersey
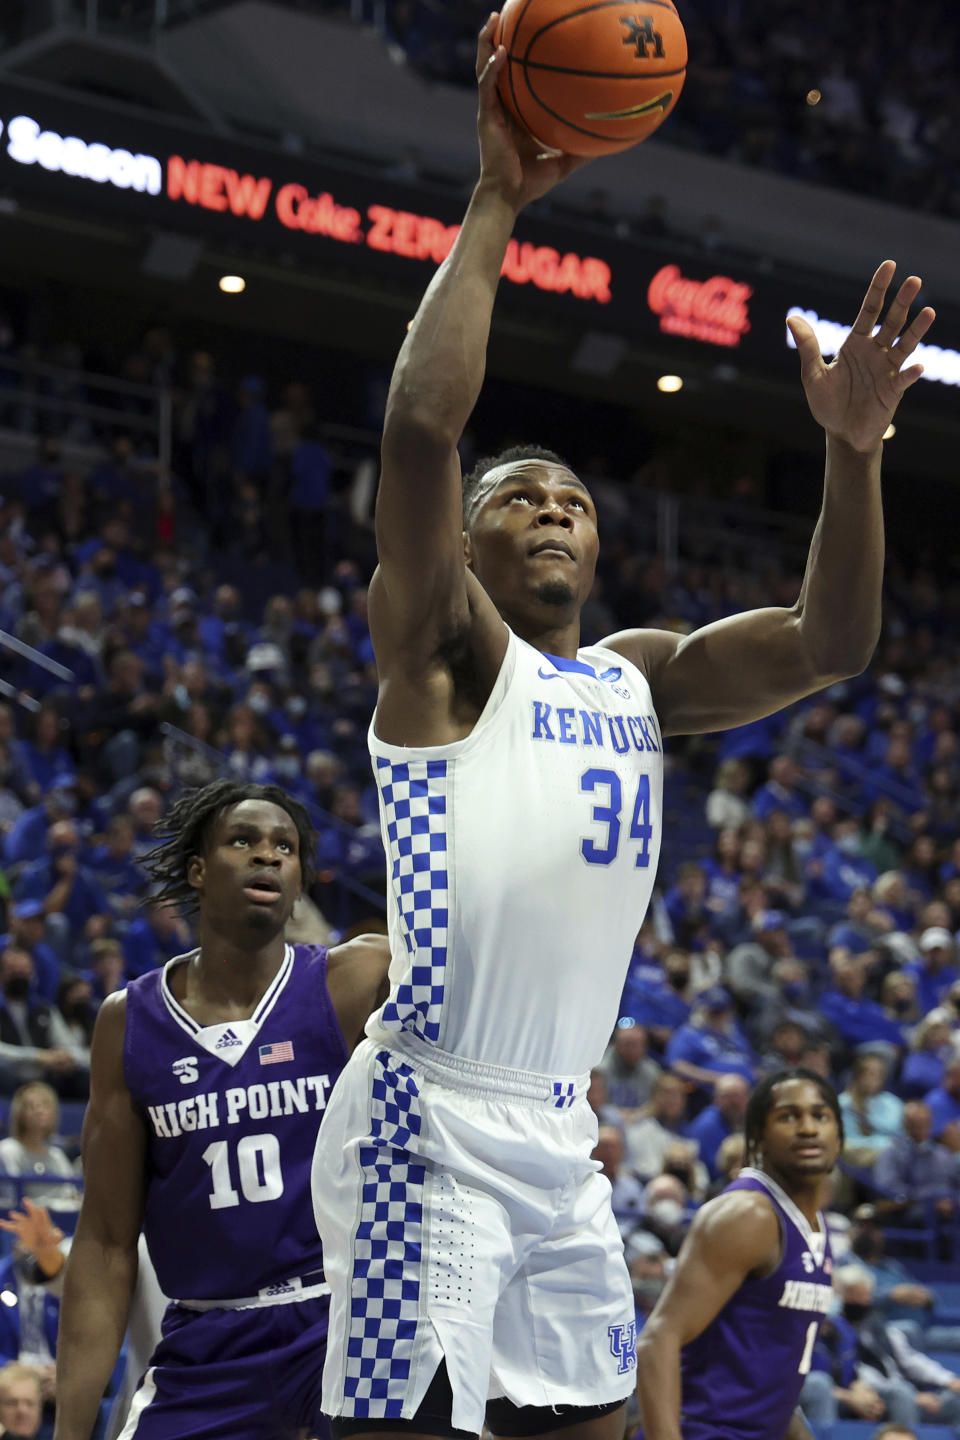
725 1352
208 1081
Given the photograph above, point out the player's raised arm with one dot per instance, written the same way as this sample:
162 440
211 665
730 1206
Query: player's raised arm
102 1268
750 665
420 591
731 1238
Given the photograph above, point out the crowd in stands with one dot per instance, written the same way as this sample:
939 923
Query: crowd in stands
171 630
882 121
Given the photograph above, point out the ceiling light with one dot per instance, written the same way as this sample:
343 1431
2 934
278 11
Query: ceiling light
814 97
232 284
669 384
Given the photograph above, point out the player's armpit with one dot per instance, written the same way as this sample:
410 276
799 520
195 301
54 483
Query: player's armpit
725 674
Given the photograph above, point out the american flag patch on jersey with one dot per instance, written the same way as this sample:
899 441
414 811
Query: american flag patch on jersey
276 1054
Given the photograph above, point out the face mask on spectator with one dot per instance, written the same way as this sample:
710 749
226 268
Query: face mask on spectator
666 1213
288 766
259 703
296 706
17 987
855 1312
678 979
794 990
849 845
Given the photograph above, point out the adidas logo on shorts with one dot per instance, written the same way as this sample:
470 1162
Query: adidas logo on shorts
227 1040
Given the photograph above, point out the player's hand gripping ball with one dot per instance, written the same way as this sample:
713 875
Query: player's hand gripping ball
590 77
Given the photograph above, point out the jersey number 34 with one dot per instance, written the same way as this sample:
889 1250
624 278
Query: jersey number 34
602 849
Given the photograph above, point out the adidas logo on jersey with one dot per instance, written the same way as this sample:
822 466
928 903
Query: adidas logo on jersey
227 1040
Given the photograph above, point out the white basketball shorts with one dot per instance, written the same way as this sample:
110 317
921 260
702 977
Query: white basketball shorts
463 1219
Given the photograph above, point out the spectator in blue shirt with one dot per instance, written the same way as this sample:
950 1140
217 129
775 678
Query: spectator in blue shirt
944 1102
659 998
913 1167
712 1044
872 1116
114 866
153 938
935 972
686 907
27 926
780 791
310 472
725 1116
856 1019
898 1294
930 1049
64 885
46 758
860 930
842 868
251 449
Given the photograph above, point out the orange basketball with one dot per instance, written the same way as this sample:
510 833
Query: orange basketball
590 77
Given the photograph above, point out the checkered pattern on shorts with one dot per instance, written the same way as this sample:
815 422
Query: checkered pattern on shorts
385 1296
565 1093
415 807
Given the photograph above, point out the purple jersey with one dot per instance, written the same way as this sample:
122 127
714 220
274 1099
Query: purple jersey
743 1375
232 1112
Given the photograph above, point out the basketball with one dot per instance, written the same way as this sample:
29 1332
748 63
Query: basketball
591 78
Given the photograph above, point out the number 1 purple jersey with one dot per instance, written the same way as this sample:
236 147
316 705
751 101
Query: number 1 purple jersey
232 1112
742 1377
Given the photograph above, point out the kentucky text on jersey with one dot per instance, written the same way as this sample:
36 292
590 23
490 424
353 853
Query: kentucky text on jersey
566 725
258 1102
805 1295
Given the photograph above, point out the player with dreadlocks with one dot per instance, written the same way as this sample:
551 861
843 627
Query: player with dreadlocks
207 1083
726 1349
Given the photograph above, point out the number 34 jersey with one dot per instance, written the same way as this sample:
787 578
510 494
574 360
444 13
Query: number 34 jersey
231 1113
520 864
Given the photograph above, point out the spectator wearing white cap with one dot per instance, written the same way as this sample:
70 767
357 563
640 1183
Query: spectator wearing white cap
935 971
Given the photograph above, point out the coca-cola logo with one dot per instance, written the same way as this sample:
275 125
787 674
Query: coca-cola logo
714 311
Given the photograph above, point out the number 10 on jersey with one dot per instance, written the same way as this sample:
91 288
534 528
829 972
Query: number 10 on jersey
602 850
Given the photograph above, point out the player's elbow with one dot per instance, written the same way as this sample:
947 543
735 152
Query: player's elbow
837 651
420 421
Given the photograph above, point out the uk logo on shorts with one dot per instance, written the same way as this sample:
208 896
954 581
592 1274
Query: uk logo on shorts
623 1345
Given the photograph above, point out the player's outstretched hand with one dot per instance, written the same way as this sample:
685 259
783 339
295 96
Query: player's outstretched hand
509 157
856 396
33 1227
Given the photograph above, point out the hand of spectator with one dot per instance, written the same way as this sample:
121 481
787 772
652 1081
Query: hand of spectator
61 1062
48 1382
917 1296
865 1402
929 1403
950 1136
856 396
953 1385
38 1234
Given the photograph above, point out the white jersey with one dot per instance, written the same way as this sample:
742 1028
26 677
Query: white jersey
521 863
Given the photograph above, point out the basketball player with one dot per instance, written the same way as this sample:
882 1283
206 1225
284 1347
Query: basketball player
208 1081
725 1351
468 1239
